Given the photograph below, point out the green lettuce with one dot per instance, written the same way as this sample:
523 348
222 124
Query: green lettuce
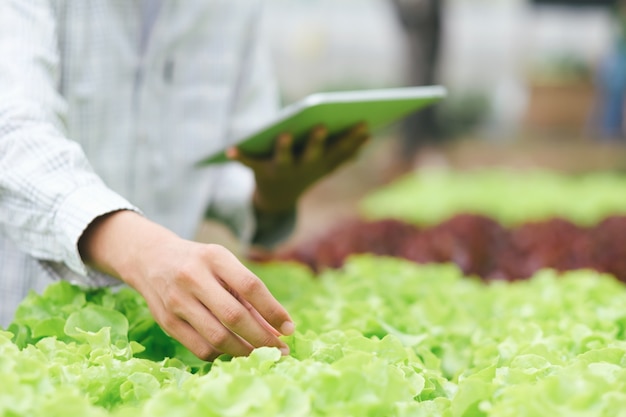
509 196
379 337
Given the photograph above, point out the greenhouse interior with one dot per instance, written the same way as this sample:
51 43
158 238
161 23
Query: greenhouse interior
469 261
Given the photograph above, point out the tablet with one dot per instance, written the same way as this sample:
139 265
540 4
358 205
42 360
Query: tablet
338 111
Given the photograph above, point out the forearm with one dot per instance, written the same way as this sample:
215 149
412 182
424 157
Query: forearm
48 190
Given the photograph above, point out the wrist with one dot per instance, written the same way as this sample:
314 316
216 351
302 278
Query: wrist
272 205
273 228
115 242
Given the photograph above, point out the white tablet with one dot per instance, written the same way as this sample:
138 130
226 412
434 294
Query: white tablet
338 111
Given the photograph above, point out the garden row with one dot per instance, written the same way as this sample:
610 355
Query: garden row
492 223
477 244
379 337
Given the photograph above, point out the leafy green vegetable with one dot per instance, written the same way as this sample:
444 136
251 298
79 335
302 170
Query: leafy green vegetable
510 197
380 337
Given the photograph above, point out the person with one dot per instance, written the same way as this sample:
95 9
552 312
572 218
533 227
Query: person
105 108
611 83
421 21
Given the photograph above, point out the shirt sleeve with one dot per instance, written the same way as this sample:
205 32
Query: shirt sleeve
256 101
48 191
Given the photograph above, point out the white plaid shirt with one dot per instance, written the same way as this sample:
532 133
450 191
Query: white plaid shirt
90 123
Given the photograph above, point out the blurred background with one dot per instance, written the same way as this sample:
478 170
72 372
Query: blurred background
532 83
499 58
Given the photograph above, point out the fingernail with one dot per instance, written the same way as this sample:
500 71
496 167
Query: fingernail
231 153
287 328
284 350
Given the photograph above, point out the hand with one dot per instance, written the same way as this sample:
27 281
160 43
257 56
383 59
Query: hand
282 178
199 294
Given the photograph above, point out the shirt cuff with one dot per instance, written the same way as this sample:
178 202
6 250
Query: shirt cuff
78 210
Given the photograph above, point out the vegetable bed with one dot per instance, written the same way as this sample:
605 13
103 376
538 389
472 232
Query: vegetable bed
497 224
477 244
379 337
509 197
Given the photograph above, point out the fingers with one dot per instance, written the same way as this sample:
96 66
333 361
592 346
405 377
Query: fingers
260 318
191 339
227 326
236 155
316 144
214 334
283 153
237 323
262 304
348 145
213 304
247 286
185 318
356 133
